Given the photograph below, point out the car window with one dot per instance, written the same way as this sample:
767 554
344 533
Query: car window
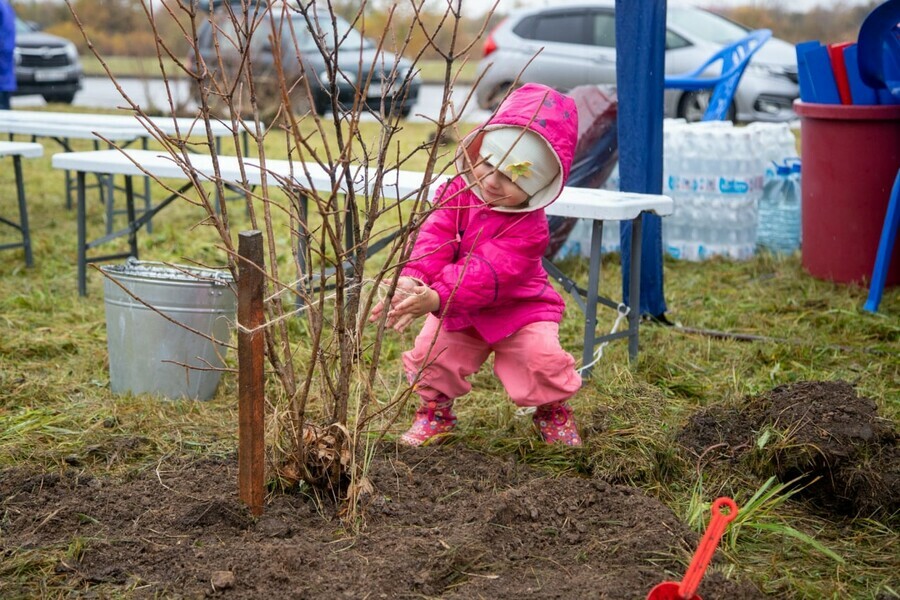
675 41
525 27
222 29
300 36
604 25
349 38
302 33
22 26
705 25
568 27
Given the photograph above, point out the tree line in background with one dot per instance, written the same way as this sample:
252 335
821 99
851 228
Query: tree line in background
119 27
839 23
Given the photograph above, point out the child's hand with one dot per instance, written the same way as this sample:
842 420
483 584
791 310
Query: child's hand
422 301
405 289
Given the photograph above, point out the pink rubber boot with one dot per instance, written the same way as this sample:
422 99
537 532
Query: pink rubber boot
434 420
556 424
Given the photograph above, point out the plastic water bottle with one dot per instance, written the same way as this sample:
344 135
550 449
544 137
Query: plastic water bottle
779 209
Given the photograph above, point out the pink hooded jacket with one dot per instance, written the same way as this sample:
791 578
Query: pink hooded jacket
485 262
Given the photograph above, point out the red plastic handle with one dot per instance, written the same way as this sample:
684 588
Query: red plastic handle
707 546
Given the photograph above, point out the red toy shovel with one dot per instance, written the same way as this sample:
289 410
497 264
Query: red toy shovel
670 590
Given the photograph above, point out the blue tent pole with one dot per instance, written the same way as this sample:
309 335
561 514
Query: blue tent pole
640 63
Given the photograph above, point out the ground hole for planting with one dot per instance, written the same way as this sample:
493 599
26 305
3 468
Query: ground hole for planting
444 522
822 434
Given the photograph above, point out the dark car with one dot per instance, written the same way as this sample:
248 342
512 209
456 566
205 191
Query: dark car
385 77
46 64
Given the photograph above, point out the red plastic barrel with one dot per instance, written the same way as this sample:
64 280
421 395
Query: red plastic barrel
850 159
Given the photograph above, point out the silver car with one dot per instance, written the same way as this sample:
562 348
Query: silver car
571 45
46 64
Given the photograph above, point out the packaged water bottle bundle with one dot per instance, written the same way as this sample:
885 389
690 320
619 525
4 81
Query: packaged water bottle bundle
715 173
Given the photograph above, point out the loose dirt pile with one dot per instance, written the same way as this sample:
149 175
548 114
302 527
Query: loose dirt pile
821 434
443 522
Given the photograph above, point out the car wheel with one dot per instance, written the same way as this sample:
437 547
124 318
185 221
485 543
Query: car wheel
497 95
62 98
693 105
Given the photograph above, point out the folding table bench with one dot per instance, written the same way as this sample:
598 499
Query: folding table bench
18 150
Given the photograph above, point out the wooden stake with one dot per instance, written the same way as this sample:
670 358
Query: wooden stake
251 353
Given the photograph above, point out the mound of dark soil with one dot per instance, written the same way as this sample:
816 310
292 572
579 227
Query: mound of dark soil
820 433
832 435
443 522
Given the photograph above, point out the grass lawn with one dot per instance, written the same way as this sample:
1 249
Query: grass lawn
56 407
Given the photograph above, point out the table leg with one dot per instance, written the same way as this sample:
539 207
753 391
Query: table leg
634 315
23 211
82 236
109 180
148 203
129 204
68 190
593 291
65 145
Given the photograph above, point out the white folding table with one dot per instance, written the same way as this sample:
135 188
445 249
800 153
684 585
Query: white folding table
596 205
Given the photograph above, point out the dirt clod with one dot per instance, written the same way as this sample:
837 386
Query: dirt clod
222 580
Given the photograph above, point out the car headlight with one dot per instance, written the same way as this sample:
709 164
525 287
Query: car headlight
764 70
72 52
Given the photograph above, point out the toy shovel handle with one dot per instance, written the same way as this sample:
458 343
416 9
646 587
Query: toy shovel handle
707 546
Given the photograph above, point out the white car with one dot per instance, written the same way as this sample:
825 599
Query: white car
574 44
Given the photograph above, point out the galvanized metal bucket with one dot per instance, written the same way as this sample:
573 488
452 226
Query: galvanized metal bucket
150 354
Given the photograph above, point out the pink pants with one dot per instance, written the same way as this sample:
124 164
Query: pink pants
530 363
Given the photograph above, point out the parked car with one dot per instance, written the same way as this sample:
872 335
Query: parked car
46 64
577 45
359 60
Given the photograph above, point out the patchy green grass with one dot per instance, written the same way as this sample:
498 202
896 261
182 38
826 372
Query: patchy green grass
56 410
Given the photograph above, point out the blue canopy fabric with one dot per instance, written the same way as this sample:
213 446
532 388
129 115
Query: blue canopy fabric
640 64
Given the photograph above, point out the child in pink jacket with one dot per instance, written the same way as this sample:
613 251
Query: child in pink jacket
476 271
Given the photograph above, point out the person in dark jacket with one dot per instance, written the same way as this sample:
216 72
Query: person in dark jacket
7 56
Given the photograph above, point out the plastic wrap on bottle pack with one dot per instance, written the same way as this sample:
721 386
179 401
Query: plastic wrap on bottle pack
714 173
